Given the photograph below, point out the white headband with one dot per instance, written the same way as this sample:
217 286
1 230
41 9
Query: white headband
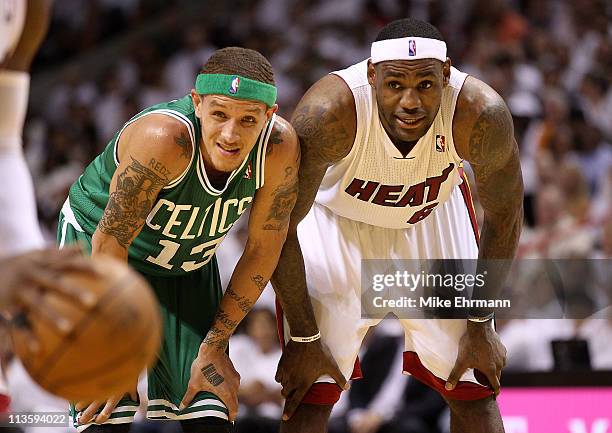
410 48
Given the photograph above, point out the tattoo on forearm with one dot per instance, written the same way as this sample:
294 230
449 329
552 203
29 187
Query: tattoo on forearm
285 196
211 375
131 202
185 144
224 318
243 302
259 281
216 338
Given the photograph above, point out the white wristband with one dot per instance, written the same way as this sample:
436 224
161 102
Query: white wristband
307 339
481 319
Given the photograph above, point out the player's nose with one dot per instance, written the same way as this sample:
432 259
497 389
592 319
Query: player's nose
230 133
410 100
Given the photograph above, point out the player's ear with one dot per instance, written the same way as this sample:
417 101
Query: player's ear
446 71
371 74
273 109
197 101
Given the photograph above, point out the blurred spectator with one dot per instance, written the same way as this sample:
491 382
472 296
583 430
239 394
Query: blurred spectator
255 355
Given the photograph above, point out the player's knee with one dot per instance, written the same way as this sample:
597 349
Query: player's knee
468 410
308 418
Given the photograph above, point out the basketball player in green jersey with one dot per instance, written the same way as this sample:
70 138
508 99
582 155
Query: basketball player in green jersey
163 195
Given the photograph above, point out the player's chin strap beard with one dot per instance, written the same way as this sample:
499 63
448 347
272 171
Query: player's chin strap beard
408 48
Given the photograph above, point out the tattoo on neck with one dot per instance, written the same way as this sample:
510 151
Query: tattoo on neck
211 375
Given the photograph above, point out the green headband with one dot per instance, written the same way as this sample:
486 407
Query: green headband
236 86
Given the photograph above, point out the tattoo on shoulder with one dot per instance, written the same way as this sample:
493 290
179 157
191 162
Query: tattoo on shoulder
285 196
491 136
275 138
211 374
131 202
185 144
322 133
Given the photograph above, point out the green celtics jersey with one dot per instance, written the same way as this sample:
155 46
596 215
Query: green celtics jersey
190 217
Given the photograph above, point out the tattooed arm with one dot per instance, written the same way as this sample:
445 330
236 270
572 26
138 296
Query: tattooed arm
484 136
268 222
486 141
152 152
212 369
325 121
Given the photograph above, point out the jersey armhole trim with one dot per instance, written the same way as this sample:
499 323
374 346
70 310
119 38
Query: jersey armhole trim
260 161
176 115
458 84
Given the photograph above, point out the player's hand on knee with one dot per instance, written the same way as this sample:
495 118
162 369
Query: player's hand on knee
480 348
88 414
213 371
300 366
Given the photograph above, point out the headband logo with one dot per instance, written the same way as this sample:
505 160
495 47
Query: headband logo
234 86
411 47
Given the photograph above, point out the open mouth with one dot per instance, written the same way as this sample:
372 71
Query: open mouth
228 150
409 123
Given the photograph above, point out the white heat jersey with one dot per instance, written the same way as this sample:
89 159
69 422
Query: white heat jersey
12 17
375 183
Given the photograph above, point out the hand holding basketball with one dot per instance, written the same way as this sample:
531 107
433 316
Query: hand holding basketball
96 325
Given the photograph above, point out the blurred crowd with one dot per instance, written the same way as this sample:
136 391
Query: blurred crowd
551 60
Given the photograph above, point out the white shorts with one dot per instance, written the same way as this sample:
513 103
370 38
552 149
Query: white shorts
333 247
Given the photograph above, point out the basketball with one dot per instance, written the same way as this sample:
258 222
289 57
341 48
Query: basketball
110 342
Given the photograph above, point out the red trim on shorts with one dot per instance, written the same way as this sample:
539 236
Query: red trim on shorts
463 391
319 393
467 198
5 403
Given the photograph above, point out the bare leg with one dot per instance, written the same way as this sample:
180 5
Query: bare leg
475 416
308 418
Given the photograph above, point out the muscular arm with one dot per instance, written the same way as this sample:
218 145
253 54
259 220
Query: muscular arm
150 157
325 122
268 223
492 152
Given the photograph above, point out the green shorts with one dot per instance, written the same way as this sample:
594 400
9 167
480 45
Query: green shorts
188 305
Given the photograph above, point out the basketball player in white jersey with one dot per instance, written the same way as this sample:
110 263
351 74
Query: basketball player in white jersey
19 230
381 177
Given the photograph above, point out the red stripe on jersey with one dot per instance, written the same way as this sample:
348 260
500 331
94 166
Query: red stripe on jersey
467 198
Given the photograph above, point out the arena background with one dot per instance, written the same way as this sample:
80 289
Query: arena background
104 60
